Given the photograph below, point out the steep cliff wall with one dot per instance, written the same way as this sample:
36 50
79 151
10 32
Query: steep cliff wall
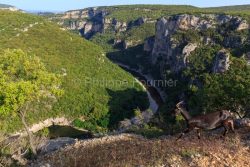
178 36
96 20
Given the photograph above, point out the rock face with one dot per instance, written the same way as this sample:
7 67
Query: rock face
167 50
90 21
222 62
55 144
136 121
187 51
172 52
80 14
243 25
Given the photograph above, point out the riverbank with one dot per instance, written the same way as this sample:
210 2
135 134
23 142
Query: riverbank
156 93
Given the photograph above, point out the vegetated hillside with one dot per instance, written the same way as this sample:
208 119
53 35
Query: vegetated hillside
112 27
95 89
236 8
207 54
132 150
203 49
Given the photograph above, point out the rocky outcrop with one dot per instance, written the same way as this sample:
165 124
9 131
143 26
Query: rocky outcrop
136 121
89 29
242 25
44 124
172 52
119 26
222 62
76 25
88 21
93 20
167 49
187 51
236 22
55 144
84 13
234 41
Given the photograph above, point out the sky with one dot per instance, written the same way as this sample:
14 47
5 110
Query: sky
63 5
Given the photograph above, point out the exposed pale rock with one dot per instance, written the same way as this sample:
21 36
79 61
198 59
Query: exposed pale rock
87 28
127 44
77 25
243 25
187 51
119 26
167 48
44 124
117 41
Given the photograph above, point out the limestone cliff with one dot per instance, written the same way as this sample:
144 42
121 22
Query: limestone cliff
172 52
90 21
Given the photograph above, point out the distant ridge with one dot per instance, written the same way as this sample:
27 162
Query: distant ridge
232 8
8 7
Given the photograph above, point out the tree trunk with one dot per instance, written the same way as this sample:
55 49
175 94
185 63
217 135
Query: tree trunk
31 141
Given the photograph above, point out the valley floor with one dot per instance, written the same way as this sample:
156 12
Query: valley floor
132 150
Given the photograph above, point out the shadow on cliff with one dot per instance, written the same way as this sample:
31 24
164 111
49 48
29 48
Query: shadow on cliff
122 104
131 56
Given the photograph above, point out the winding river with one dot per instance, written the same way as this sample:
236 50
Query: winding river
155 95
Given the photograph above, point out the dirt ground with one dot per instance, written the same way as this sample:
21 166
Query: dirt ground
129 150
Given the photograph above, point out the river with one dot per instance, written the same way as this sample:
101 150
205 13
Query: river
155 95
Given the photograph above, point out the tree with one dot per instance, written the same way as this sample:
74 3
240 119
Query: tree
24 84
230 90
